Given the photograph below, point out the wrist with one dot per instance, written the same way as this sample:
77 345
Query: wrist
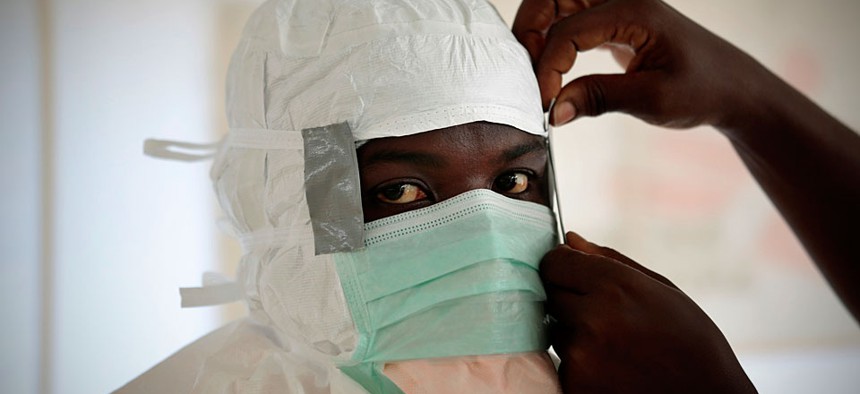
758 103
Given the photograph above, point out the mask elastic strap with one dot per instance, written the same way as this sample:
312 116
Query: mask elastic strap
553 179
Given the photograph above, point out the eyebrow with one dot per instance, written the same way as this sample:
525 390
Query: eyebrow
426 159
419 158
522 150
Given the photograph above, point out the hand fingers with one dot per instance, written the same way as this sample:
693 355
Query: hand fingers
535 17
577 242
566 308
593 95
622 54
569 7
574 358
532 22
574 270
582 31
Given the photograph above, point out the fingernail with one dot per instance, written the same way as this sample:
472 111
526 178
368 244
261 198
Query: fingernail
563 113
570 235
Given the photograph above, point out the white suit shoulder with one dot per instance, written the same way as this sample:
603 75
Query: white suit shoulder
241 357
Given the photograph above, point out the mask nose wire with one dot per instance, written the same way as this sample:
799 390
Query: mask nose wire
553 179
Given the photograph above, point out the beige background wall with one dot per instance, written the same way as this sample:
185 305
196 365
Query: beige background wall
95 239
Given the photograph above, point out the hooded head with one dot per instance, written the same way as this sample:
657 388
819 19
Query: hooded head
311 81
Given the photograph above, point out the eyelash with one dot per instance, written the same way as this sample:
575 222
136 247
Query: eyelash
378 193
530 177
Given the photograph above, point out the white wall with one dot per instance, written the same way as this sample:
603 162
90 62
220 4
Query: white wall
20 205
117 233
128 230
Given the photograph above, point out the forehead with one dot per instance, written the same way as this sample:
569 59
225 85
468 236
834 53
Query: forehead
464 140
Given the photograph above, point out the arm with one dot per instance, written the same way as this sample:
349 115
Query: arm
808 163
681 75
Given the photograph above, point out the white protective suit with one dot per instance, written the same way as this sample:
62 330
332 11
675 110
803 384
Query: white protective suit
383 68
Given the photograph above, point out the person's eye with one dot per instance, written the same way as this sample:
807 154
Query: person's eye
401 193
512 183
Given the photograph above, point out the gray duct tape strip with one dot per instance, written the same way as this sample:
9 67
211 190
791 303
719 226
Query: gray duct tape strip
332 189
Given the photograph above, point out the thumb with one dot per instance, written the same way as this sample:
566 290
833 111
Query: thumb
577 242
596 94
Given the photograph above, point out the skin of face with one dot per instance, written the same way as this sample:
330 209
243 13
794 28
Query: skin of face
399 174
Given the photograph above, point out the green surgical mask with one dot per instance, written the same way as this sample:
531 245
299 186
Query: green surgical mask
458 278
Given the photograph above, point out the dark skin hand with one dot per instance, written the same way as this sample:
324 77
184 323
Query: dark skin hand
621 328
681 75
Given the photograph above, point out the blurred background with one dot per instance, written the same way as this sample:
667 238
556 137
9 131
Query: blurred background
95 238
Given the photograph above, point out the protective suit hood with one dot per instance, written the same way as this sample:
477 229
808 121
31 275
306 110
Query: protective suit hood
387 67
308 78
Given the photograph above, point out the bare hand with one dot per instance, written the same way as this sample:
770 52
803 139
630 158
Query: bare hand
681 75
678 75
623 328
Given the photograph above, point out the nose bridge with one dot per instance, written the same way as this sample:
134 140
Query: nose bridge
469 150
470 175
475 180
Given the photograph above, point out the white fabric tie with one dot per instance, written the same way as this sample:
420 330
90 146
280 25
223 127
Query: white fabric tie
216 290
178 150
236 138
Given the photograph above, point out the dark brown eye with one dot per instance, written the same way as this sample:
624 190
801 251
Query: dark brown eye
402 193
512 183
